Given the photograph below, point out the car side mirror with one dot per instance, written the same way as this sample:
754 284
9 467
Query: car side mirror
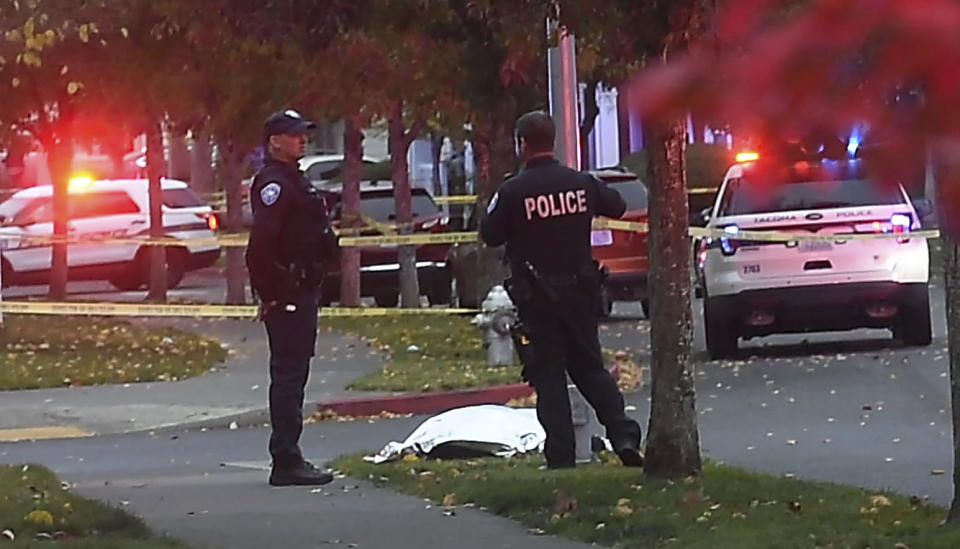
705 215
923 207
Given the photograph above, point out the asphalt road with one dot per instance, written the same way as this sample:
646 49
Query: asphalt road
850 407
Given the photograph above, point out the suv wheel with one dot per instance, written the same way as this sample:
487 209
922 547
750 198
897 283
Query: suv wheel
176 267
913 326
386 299
606 304
6 274
441 292
721 338
130 277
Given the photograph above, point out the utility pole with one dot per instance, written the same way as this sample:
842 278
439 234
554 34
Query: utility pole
562 77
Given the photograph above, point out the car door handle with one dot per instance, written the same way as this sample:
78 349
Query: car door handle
138 222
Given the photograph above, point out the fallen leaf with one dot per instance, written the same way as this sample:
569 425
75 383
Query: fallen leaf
622 509
880 501
450 500
39 516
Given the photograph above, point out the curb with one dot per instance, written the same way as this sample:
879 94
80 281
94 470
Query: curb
426 403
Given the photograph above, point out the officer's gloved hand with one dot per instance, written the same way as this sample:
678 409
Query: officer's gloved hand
264 308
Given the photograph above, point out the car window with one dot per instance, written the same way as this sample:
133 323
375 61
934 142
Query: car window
745 196
323 170
633 193
39 210
9 209
85 206
380 206
181 198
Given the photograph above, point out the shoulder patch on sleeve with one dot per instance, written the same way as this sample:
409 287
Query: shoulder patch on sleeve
493 203
270 193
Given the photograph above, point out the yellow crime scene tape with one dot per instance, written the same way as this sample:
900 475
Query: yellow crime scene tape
456 199
199 311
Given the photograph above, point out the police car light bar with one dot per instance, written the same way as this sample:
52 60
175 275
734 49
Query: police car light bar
747 156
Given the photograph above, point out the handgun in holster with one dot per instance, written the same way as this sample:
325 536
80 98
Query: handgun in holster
520 291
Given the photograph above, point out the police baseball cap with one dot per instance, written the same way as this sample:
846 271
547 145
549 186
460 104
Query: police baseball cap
288 121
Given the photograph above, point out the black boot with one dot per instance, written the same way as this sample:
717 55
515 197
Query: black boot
304 474
628 453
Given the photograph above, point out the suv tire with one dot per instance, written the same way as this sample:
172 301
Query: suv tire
441 291
605 303
913 325
387 299
6 274
721 339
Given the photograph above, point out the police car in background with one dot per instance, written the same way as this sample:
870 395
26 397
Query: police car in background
758 288
104 209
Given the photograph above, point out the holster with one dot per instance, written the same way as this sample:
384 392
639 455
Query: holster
524 345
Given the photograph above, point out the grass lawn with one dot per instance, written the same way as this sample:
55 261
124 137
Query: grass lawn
34 506
614 506
56 351
448 353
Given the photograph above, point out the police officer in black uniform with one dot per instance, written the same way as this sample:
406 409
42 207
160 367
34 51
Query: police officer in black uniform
291 245
543 215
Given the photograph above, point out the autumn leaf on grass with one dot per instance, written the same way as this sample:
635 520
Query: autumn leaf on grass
39 516
622 509
450 500
880 501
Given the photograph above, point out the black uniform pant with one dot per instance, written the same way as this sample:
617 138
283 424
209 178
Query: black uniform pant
292 336
565 341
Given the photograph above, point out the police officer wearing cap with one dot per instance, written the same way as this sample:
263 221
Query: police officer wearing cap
291 245
543 214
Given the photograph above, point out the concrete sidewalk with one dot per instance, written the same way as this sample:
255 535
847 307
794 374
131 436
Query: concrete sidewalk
236 392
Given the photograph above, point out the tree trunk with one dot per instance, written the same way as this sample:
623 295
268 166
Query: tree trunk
947 194
399 172
201 170
436 149
477 267
590 112
350 215
673 441
951 266
178 165
232 173
59 149
158 254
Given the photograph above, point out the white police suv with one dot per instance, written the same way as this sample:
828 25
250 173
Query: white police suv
104 209
827 281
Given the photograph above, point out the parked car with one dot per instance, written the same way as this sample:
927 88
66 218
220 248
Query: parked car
380 268
758 288
324 167
624 253
104 209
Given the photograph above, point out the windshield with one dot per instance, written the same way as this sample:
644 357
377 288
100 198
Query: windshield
744 196
10 208
181 198
380 206
633 193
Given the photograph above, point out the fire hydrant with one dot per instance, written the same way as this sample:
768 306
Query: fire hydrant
498 315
